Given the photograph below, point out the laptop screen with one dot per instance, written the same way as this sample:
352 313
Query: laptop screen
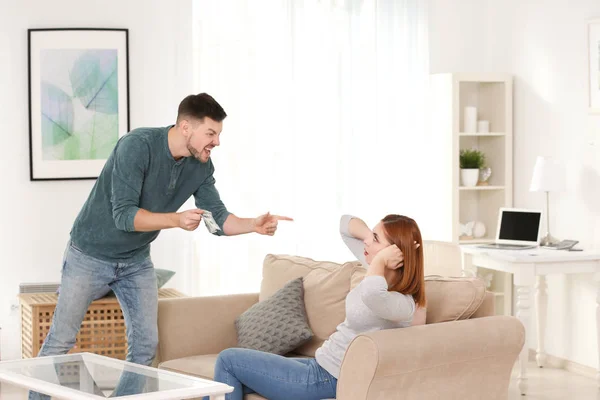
519 225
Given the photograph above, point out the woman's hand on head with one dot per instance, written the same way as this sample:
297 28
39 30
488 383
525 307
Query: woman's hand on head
390 257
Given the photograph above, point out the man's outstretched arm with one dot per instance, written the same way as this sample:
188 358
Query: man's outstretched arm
265 224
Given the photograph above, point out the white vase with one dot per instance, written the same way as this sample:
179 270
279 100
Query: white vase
478 229
470 120
469 176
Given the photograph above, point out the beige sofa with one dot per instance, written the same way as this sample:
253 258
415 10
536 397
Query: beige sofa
463 352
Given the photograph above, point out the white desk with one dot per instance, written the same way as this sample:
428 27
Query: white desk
529 268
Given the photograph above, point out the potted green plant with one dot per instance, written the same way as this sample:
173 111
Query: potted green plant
471 161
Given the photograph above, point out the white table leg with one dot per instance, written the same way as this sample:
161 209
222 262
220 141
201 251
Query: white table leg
541 306
523 313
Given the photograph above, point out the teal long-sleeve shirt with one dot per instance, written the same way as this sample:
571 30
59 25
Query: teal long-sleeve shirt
141 173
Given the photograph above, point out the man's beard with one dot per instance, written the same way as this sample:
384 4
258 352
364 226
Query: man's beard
197 155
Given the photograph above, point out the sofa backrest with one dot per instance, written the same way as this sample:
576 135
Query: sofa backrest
452 298
326 285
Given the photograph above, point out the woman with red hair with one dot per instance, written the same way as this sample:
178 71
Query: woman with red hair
387 298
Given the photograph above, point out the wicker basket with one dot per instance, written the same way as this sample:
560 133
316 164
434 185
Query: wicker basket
102 330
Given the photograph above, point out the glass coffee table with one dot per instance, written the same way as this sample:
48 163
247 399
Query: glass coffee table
87 376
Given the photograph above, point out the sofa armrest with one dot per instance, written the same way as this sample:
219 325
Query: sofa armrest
469 359
190 326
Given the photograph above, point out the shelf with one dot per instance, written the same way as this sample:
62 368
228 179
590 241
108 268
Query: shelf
482 134
489 187
497 294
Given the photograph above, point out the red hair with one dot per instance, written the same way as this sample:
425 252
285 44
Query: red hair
404 232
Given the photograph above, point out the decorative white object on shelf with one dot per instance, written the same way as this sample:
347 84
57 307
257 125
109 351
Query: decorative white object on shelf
474 229
478 229
487 278
484 175
466 229
483 126
470 119
469 176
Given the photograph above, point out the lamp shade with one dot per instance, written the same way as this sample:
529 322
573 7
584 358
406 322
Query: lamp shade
548 175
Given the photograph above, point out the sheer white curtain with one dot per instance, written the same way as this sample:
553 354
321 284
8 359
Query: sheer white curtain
325 103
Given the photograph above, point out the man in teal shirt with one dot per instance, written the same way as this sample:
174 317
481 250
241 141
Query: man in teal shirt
149 175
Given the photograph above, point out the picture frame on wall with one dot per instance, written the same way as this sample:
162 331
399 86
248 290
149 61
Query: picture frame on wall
78 100
594 65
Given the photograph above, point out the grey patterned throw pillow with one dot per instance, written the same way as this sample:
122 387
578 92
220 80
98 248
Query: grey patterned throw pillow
277 325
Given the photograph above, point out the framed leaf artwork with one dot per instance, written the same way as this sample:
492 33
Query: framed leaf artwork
78 100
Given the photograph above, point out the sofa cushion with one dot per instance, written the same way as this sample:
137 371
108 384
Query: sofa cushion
326 285
325 291
278 324
200 366
452 299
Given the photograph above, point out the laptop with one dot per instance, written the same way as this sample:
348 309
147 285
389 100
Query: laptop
518 229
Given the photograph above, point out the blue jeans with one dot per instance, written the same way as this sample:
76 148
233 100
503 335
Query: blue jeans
272 376
83 278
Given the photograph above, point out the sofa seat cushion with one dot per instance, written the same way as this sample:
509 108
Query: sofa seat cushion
200 366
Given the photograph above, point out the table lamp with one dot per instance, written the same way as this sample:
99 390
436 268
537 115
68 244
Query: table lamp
548 176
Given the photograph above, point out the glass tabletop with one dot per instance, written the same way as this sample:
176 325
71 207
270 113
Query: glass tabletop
91 376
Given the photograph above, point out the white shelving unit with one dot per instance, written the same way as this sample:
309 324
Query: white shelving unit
491 94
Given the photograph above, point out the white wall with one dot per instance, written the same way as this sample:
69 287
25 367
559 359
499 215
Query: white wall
37 216
544 44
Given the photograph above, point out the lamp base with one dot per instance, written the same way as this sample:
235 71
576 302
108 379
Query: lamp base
549 241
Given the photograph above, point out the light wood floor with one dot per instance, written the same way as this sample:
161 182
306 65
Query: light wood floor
554 384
